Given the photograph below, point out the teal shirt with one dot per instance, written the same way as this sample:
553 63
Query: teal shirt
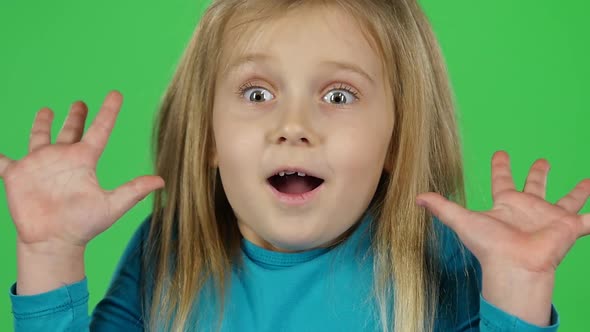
317 290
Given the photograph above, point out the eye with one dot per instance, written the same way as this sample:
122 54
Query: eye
341 95
255 94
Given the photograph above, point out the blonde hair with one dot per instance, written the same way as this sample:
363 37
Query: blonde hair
193 238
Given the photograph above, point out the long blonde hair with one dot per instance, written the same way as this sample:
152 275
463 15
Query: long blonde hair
193 238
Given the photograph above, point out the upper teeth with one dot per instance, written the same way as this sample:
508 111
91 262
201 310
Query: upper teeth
291 173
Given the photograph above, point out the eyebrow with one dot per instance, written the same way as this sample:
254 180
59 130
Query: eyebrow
252 57
260 57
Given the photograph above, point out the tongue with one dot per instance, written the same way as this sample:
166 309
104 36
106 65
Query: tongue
293 184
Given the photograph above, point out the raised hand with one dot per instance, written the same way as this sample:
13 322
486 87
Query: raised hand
521 240
54 197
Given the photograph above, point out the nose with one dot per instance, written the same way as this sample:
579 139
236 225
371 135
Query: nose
294 128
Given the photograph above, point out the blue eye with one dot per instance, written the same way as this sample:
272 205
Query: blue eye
255 94
342 95
339 97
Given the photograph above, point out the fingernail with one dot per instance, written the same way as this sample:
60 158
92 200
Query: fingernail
421 202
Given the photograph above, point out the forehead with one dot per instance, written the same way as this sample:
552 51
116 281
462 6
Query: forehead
305 35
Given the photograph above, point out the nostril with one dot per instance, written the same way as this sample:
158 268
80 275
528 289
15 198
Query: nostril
302 139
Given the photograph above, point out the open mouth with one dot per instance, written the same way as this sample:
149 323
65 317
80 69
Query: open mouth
294 183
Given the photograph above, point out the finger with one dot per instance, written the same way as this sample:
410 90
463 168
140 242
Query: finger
575 200
536 182
41 132
4 163
585 220
73 127
98 134
450 213
501 175
129 194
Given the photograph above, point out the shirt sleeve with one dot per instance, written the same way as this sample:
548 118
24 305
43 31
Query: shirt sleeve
462 306
62 309
66 308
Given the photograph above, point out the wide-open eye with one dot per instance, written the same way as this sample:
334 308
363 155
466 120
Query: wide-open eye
257 94
341 96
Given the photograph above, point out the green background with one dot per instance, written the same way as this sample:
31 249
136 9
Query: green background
519 69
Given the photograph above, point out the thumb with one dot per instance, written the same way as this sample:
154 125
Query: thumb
4 163
450 213
122 199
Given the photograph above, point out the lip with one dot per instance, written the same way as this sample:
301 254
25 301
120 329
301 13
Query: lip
295 199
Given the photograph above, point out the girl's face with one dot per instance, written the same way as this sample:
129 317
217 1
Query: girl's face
307 95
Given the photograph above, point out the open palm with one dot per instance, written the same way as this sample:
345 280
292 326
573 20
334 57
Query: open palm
53 193
522 231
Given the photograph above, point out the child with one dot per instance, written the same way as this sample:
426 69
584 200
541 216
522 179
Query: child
297 142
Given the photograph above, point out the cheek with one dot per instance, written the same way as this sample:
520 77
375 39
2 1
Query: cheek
238 148
361 148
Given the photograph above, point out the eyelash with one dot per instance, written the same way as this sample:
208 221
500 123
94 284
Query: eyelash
249 85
